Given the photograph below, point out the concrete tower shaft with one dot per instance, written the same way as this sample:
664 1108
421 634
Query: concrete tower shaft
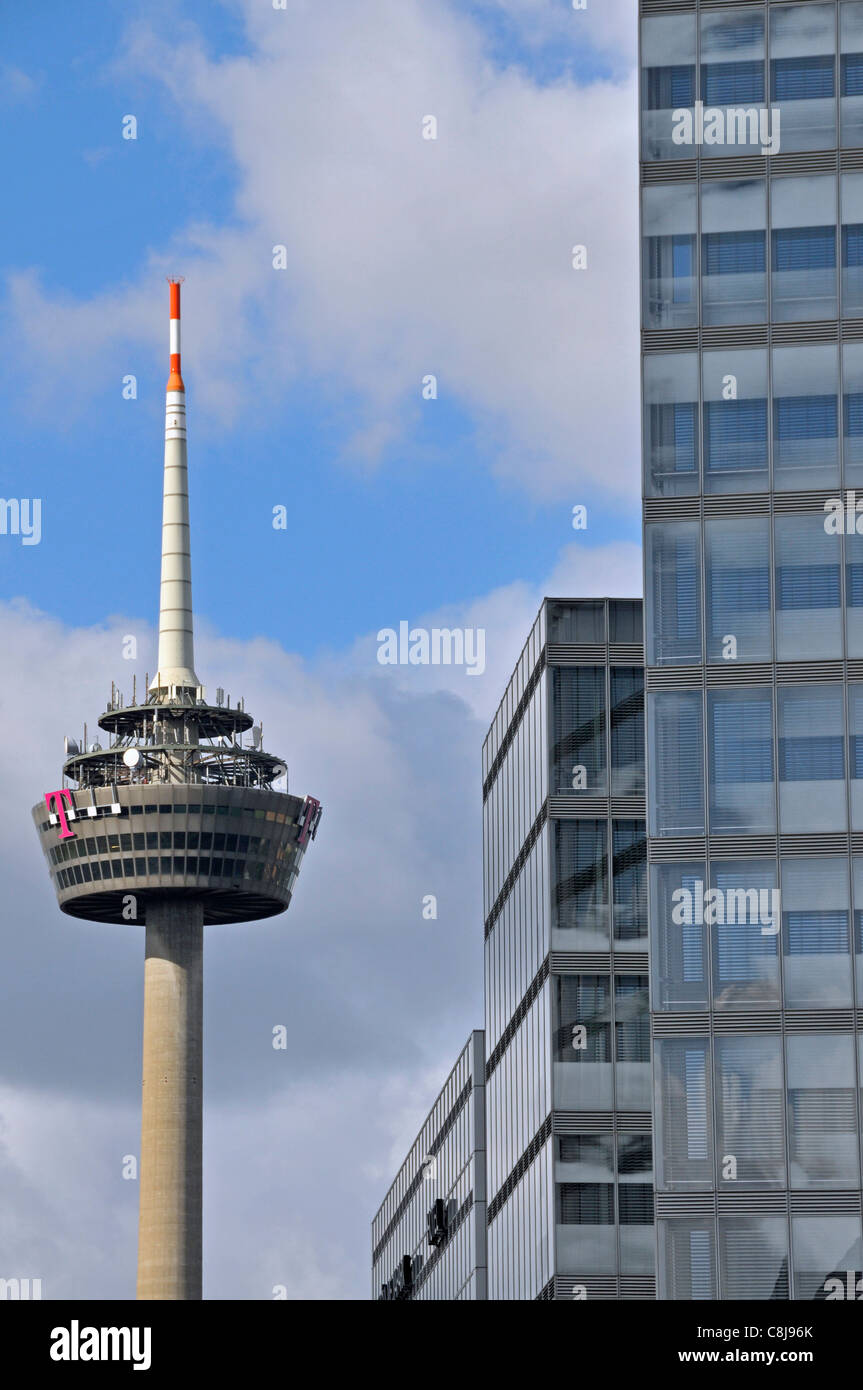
176 661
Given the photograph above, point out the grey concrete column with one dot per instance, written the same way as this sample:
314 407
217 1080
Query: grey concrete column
169 1229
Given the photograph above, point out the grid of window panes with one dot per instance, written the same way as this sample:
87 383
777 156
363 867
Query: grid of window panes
761 931
604 1203
446 1163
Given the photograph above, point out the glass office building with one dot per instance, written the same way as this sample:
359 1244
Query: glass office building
568 1077
429 1235
752 336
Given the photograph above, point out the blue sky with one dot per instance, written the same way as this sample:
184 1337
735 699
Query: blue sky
428 526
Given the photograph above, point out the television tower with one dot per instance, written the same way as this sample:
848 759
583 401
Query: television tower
176 823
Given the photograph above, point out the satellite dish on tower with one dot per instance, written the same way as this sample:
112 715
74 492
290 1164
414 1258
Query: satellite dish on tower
131 757
71 747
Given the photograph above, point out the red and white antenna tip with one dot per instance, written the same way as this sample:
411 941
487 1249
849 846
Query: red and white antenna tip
175 380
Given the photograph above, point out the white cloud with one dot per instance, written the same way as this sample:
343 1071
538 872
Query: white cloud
405 256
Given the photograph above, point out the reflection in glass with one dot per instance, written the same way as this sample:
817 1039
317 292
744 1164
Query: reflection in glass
629 873
735 421
750 1113
822 1111
737 579
578 752
740 731
826 1248
805 417
852 413
684 1147
673 620
733 252
687 1266
803 246
678 949
808 611
667 82
815 933
811 720
582 1056
745 956
632 1042
803 74
851 72
753 1257
627 730
676 768
581 884
669 227
671 424
855 753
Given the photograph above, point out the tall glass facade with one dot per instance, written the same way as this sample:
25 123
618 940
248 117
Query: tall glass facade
568 1076
429 1235
752 335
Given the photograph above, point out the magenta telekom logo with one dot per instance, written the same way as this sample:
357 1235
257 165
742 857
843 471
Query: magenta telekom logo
60 809
311 815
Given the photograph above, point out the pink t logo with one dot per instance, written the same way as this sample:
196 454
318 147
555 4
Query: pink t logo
57 797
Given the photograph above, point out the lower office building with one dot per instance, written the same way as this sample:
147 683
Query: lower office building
568 1090
429 1235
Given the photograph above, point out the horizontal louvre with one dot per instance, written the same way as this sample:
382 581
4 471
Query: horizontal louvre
567 653
738 1203
742 846
755 504
579 804
671 508
667 851
592 961
674 678
750 335
739 674
685 1204
813 844
811 501
594 1285
668 340
682 1025
747 1021
809 670
814 1203
819 1020
583 1122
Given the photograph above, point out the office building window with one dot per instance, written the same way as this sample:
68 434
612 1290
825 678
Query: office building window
808 611
629 873
816 932
579 751
737 600
745 934
581 883
803 74
750 1113
676 795
669 219
684 1150
811 722
753 1257
822 1112
668 82
742 792
851 72
736 454
678 949
671 429
733 252
627 730
803 247
805 417
673 618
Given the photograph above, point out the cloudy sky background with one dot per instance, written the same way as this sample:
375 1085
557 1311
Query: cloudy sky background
301 128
